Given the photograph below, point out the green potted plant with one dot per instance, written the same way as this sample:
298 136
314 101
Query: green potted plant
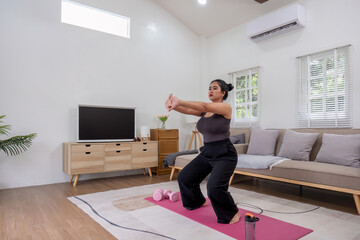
14 145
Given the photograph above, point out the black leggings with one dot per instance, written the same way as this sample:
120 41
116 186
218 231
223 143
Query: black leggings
218 158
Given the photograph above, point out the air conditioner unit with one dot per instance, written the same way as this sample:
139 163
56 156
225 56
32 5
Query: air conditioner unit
277 22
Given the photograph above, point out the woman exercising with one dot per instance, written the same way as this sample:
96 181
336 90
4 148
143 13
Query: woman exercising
218 155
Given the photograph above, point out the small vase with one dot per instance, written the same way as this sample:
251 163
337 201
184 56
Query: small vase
163 125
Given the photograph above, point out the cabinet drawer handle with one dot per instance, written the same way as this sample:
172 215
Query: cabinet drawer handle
144 150
118 144
87 152
118 151
87 145
144 143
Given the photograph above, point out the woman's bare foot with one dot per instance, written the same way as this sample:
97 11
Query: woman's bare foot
236 218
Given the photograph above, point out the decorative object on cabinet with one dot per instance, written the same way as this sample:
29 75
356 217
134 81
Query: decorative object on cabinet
83 158
163 118
168 142
145 133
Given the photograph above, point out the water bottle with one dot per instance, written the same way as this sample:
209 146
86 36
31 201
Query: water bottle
250 221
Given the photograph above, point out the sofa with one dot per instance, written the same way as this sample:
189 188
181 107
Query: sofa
310 172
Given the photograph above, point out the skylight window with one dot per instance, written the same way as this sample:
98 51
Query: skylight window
92 18
202 2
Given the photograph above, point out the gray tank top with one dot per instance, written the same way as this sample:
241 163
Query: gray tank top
214 128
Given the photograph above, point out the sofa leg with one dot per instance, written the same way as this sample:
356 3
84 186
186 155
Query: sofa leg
231 179
172 173
357 202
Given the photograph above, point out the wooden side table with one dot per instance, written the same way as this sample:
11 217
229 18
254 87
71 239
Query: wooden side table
168 142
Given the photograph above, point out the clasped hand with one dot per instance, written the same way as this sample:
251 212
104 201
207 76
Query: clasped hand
171 102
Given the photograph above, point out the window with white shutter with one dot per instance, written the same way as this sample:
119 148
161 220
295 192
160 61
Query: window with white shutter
246 97
325 89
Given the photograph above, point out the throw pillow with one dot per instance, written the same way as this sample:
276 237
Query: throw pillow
340 149
238 139
262 142
297 146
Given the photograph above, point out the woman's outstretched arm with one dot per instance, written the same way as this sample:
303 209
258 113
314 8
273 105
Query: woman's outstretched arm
181 109
200 107
186 110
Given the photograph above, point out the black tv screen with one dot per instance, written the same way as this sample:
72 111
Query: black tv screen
98 124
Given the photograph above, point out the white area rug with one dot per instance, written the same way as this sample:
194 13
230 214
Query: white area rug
128 209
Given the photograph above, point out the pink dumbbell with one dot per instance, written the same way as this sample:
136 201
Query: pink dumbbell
160 194
172 196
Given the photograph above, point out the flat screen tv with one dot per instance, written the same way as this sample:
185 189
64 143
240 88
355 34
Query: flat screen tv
105 123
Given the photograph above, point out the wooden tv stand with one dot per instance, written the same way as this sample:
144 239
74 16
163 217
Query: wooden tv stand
84 158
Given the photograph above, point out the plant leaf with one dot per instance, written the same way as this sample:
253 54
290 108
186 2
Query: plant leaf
4 129
16 145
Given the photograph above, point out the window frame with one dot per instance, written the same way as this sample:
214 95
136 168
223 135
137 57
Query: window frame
336 114
248 104
72 13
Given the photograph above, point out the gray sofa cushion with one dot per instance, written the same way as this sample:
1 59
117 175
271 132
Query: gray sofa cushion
340 149
183 160
307 171
297 146
262 142
313 172
241 148
238 139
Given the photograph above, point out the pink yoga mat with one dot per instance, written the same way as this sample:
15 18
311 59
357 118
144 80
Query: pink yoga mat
267 228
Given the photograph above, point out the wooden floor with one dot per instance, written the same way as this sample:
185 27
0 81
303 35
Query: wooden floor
43 212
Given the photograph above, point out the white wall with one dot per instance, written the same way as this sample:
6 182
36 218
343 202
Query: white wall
330 23
47 68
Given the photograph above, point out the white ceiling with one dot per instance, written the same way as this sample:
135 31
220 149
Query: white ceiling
218 15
